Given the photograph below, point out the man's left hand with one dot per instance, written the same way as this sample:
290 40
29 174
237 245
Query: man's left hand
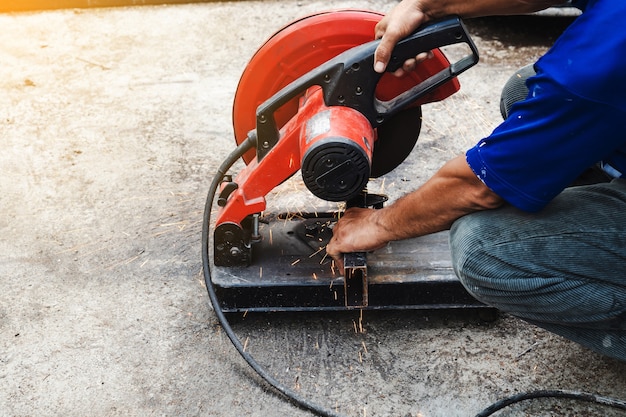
358 230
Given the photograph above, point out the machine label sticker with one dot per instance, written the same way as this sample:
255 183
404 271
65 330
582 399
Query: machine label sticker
317 125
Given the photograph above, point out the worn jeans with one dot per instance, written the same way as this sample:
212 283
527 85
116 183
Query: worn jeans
563 269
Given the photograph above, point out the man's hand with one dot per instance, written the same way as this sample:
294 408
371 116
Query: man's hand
358 230
408 15
403 20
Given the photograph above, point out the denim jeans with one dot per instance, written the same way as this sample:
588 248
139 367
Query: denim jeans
563 269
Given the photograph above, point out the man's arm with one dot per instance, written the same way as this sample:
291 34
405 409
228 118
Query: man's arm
452 192
408 15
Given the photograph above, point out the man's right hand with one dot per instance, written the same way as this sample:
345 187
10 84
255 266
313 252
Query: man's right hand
357 230
408 15
403 20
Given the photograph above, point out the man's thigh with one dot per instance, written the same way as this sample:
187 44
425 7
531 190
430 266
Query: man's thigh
566 263
563 269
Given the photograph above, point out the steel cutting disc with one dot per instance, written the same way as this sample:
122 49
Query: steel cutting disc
306 44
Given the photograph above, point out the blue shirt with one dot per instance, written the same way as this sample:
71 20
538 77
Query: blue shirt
574 115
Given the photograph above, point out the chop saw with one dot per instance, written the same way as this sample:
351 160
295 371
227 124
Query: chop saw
309 101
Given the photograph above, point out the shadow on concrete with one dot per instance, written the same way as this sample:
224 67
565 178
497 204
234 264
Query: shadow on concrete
520 31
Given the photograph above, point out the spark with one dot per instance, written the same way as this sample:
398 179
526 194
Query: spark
324 257
361 322
245 344
317 251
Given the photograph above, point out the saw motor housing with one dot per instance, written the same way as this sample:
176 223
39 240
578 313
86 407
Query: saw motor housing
339 122
336 144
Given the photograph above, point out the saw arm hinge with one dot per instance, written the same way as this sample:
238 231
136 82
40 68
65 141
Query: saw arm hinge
233 243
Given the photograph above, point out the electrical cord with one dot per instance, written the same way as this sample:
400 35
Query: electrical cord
293 396
574 395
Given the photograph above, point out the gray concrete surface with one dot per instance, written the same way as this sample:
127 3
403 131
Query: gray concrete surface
112 122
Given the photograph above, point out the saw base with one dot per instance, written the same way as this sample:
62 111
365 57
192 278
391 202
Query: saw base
291 272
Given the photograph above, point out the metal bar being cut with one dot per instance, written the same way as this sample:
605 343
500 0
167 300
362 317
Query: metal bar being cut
355 279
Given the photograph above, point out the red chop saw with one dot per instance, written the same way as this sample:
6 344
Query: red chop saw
310 101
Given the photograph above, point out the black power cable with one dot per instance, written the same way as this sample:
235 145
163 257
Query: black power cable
573 395
291 395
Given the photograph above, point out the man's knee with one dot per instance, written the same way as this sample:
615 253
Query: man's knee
467 251
490 261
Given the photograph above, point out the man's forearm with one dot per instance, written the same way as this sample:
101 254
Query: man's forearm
478 8
451 193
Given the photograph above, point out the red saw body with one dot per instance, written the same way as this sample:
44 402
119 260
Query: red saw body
304 45
312 79
310 100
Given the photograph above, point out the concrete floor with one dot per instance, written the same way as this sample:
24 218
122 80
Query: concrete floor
112 123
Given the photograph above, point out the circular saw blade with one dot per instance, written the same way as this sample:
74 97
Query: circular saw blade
396 139
304 45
